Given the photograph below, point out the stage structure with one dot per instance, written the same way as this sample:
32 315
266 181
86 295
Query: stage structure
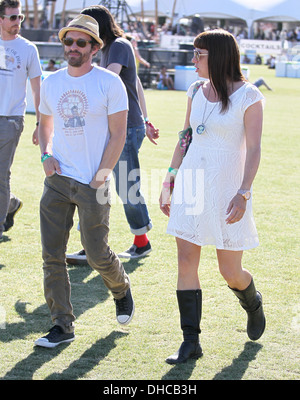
120 10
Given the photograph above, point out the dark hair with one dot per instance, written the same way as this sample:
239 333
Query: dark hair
108 28
223 61
8 4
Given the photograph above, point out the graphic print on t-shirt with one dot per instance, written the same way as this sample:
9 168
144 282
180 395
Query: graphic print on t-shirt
73 107
9 60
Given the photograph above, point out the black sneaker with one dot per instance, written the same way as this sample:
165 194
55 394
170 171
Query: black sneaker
9 222
136 252
125 308
77 258
55 337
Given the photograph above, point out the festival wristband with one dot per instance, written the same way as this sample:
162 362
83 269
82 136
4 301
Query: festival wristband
173 170
168 184
147 122
45 155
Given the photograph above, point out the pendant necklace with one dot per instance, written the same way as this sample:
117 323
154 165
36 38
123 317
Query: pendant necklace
201 128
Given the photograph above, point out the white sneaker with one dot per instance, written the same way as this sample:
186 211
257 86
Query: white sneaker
125 308
55 337
136 252
78 258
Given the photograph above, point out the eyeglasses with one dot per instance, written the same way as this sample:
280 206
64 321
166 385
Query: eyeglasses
80 42
14 17
198 54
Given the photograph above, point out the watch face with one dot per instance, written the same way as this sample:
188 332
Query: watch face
247 195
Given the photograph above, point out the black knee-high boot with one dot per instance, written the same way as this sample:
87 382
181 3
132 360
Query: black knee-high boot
251 301
190 308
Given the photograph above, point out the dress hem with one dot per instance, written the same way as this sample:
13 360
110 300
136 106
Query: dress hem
213 244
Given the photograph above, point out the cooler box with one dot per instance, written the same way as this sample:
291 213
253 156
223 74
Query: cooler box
184 77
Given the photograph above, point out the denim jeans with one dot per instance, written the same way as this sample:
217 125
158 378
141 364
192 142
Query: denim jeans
60 198
127 180
10 132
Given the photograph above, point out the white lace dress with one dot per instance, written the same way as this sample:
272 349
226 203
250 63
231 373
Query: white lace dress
211 173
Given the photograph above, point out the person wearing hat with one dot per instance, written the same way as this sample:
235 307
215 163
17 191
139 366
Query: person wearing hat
78 160
117 55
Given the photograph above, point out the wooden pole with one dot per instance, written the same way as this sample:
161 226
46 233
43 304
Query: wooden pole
173 12
52 14
62 19
27 22
36 14
156 19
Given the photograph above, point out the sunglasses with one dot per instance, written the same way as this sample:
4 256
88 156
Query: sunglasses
14 17
198 54
80 42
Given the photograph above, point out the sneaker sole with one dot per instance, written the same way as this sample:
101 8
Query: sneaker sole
129 319
127 255
44 343
76 261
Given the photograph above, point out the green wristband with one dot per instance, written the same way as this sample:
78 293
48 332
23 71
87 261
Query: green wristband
173 170
45 156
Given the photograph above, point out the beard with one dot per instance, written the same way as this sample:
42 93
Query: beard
14 30
76 60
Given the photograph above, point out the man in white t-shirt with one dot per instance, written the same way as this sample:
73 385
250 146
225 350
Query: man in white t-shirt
19 60
83 113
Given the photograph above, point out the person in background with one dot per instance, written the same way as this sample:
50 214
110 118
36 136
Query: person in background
78 160
165 82
261 82
211 186
19 60
117 55
51 66
138 58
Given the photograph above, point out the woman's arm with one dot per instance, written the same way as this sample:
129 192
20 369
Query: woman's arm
253 127
165 196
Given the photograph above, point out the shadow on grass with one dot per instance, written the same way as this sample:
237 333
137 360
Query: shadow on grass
90 358
235 371
76 370
92 291
239 365
180 372
5 239
38 321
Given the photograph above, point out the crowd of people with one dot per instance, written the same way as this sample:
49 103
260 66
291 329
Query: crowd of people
213 206
196 25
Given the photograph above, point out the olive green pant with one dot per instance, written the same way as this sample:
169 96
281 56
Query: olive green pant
58 203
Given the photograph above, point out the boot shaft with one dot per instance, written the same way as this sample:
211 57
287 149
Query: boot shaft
249 298
190 309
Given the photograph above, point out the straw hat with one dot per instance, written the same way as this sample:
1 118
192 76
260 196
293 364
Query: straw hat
82 23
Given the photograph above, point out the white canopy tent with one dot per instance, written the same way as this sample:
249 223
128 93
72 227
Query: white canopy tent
285 11
247 10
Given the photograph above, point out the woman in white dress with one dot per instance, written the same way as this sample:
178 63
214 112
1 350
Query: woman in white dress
211 202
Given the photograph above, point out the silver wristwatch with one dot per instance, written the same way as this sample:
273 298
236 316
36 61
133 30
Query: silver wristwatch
245 193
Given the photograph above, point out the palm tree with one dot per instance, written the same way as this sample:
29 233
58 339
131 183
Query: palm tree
27 24
173 12
156 19
36 14
62 20
52 14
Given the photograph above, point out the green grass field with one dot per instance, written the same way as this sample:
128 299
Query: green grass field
105 351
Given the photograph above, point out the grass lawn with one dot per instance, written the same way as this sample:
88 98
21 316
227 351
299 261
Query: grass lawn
105 351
